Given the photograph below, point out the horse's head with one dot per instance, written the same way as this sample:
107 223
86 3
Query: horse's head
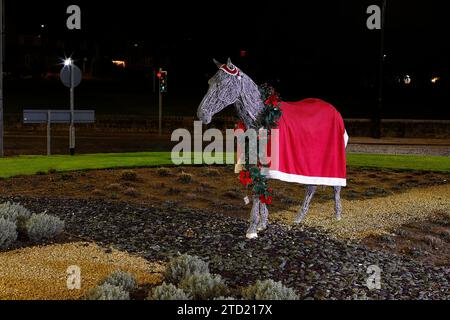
224 90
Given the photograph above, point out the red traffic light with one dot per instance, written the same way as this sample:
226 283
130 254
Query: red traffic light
159 75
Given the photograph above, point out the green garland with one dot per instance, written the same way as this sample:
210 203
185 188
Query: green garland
251 177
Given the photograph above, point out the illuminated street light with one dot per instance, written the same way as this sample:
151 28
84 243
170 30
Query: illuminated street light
407 80
68 62
435 80
119 63
2 48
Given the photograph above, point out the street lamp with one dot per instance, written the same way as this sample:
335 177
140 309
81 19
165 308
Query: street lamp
68 62
377 118
2 48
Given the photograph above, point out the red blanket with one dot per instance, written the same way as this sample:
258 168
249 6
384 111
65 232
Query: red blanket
311 145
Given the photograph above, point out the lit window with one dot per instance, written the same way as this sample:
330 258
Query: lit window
119 63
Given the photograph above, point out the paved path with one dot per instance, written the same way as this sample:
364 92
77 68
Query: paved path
432 147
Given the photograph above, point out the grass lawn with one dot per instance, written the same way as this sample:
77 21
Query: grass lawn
30 165
404 162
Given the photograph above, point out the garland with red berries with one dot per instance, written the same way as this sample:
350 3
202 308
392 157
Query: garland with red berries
251 176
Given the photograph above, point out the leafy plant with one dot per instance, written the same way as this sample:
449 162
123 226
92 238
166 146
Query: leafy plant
43 226
168 292
121 279
184 266
204 286
269 290
107 291
8 233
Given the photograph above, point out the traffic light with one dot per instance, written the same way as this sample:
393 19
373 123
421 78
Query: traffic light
162 75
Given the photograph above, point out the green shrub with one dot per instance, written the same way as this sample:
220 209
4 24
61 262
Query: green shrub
184 266
268 290
168 292
204 286
107 292
43 226
121 279
8 233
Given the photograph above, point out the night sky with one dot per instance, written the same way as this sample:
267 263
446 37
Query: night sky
321 47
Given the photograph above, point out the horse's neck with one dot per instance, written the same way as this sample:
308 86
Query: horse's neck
250 105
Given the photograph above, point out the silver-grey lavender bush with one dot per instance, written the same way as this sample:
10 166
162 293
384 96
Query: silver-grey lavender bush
121 279
44 226
268 290
204 286
184 266
8 233
168 292
107 292
16 213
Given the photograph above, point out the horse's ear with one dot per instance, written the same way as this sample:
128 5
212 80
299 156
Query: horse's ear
230 64
218 64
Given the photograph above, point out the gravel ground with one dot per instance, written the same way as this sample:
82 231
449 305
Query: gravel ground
40 273
375 217
315 265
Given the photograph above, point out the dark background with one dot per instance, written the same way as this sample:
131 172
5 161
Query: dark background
305 49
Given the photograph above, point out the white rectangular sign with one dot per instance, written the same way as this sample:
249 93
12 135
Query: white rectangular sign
58 116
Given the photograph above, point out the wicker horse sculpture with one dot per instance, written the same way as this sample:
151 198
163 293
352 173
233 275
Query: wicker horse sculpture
312 139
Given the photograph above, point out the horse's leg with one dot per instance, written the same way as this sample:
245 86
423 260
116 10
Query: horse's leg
338 206
310 190
254 220
264 215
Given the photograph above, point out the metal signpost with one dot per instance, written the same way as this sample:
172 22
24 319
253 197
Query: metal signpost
2 48
377 133
71 77
162 76
57 116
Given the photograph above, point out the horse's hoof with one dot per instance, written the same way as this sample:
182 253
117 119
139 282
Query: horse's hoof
338 218
252 235
261 228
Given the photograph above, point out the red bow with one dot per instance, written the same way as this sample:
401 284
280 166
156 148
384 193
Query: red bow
241 125
245 179
265 200
272 100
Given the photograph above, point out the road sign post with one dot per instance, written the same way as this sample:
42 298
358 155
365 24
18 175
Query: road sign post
162 76
72 107
49 136
2 48
57 116
160 114
71 77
